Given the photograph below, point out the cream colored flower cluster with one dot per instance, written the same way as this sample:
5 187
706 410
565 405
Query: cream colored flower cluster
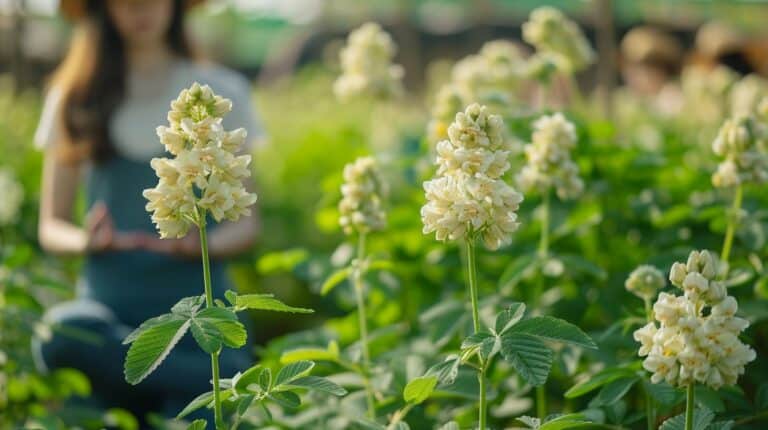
549 159
361 206
13 196
645 281
697 337
491 74
205 175
469 196
741 142
746 95
554 35
366 63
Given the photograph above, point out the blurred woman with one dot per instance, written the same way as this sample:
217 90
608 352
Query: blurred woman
127 60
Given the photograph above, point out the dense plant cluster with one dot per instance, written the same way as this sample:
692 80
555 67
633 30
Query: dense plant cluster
564 319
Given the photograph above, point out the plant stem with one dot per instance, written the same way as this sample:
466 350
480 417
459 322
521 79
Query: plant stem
541 393
218 416
473 295
362 322
731 229
541 402
689 407
544 238
650 410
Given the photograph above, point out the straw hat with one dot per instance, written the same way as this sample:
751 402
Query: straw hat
77 9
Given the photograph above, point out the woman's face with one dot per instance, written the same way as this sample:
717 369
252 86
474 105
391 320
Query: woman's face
141 23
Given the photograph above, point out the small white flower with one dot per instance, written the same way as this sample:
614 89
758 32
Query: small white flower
645 281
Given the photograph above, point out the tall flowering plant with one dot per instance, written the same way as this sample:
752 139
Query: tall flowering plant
205 177
469 201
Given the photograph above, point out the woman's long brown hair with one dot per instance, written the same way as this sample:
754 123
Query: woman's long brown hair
92 80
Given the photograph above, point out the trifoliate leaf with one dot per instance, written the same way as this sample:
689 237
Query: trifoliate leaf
419 389
528 355
447 371
554 329
150 347
188 306
250 376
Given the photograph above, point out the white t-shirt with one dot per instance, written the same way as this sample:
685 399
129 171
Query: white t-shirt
146 105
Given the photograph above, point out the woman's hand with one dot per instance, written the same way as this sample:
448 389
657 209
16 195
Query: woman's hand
186 247
101 233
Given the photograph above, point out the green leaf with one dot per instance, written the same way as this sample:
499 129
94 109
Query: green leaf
334 280
243 403
453 425
554 329
419 389
293 371
249 377
318 384
528 355
281 261
701 419
151 346
265 379
509 317
662 393
213 327
146 325
567 421
198 425
266 302
198 402
315 354
188 306
709 399
482 343
598 380
287 399
380 265
447 371
615 390
721 425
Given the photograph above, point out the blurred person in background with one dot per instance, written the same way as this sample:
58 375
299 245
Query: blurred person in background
128 59
720 44
650 64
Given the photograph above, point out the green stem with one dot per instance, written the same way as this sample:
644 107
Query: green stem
689 407
541 393
731 229
648 309
650 410
578 102
473 295
541 402
544 238
362 322
218 416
